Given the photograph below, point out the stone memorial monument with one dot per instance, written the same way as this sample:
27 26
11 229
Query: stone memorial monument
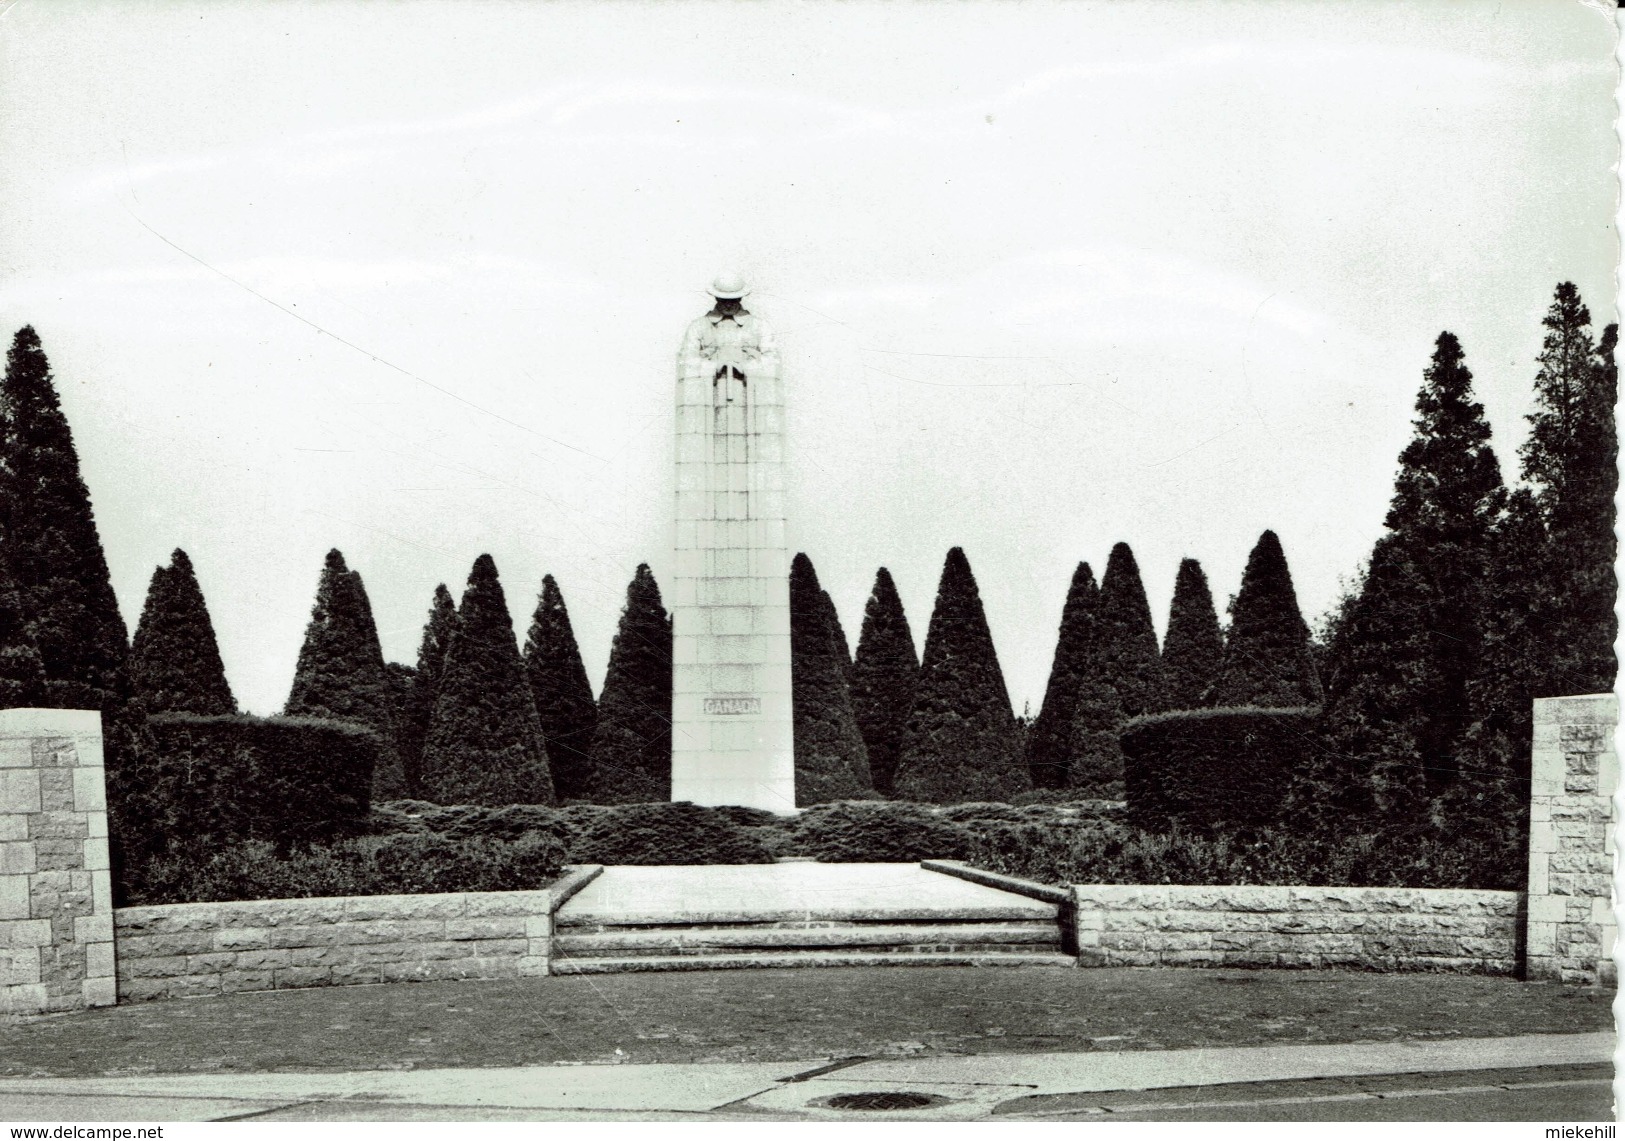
731 737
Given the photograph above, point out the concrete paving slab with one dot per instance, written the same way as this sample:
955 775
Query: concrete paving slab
1153 1069
743 893
672 1088
53 1108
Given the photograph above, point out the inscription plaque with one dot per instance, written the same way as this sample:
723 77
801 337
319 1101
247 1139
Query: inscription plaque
733 705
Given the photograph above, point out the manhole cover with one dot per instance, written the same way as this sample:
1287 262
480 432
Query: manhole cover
881 1100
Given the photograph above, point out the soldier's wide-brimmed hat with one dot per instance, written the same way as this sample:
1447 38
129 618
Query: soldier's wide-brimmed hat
729 287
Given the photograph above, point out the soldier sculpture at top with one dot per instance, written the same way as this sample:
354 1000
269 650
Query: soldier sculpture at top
731 718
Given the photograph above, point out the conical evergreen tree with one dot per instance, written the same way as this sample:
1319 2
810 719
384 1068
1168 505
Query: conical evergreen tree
401 679
341 674
1267 661
50 534
1049 740
631 747
1405 647
175 664
1121 676
558 682
885 674
843 651
960 742
1128 641
1571 459
484 744
425 687
1194 646
831 761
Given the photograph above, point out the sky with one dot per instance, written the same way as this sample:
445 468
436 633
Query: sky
407 279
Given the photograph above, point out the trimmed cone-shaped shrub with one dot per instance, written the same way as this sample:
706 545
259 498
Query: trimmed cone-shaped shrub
680 833
831 763
50 532
961 741
484 744
340 674
631 747
425 691
1049 740
1128 641
1194 647
558 683
885 675
1096 754
175 664
843 651
1267 662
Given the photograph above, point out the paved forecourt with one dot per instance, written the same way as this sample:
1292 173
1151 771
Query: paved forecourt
766 892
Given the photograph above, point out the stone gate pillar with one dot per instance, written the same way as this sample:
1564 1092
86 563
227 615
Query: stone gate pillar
56 892
1572 824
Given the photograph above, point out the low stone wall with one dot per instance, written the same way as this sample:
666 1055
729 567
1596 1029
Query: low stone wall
1367 928
184 949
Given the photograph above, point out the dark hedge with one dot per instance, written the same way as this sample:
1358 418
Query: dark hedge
680 833
290 780
878 832
1206 767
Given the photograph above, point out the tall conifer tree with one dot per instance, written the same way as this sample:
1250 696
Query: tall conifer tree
1267 661
50 535
1121 678
1049 740
961 741
175 664
1194 646
425 685
843 651
484 744
564 702
1571 460
885 674
340 673
1405 648
831 761
631 746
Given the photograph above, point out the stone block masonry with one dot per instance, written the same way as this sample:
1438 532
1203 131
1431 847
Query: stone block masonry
183 949
1364 928
1574 774
56 900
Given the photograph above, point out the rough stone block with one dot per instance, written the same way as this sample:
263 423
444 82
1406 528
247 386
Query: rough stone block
494 927
237 981
89 790
101 890
241 939
191 986
98 960
263 960
50 723
538 926
1548 909
18 858
99 991
353 974
27 998
14 898
541 948
19 790
532 966
20 966
93 854
292 978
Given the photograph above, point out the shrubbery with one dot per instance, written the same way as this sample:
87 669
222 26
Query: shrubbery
290 780
1207 767
404 864
680 833
877 832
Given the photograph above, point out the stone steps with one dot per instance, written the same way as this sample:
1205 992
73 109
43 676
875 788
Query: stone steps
681 918
781 959
601 940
